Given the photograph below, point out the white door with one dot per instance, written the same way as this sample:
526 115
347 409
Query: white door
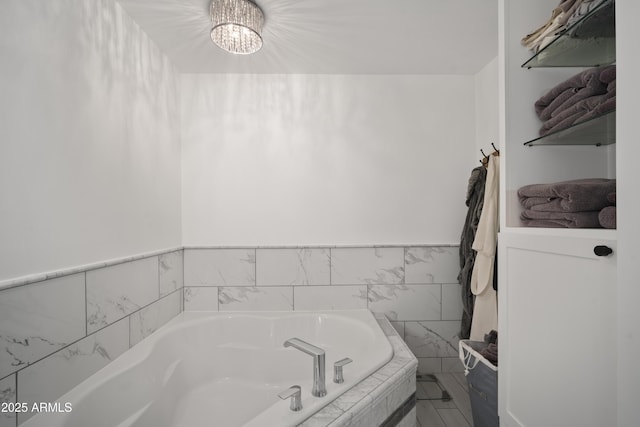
557 331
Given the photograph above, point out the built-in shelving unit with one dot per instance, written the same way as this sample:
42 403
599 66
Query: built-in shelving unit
598 131
588 42
565 263
582 150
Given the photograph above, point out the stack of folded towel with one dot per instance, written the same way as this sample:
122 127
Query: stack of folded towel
563 16
570 204
586 95
607 216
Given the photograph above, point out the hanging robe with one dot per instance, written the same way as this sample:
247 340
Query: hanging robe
485 311
474 201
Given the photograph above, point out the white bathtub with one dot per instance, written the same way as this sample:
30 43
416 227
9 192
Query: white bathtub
224 369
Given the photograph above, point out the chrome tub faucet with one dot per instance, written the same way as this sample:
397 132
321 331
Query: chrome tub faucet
295 393
319 389
338 378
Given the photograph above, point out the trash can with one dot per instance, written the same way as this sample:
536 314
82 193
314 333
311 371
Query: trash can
482 378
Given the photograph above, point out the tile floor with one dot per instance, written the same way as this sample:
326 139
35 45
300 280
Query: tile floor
432 411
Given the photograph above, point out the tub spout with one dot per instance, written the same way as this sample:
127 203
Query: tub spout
317 353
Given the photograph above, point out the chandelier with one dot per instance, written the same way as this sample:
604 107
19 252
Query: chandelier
237 25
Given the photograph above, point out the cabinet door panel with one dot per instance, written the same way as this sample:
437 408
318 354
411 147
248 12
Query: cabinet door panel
557 332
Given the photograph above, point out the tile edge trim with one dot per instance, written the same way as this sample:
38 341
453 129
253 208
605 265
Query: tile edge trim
39 277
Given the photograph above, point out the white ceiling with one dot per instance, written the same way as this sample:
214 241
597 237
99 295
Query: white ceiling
332 36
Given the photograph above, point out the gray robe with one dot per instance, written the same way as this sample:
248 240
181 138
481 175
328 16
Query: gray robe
475 199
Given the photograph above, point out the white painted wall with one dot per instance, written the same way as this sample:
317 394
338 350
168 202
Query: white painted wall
486 85
325 159
89 137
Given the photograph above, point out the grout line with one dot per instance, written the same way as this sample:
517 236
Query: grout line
86 308
330 267
7 376
158 270
255 266
15 374
404 265
182 287
129 328
368 297
319 246
215 286
441 302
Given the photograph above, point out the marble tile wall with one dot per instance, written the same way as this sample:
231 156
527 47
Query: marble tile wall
415 287
57 332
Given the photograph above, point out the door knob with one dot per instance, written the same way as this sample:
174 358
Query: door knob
602 250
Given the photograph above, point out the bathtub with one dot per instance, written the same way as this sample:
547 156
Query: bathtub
224 369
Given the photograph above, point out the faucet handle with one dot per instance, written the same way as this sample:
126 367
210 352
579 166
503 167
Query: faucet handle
337 370
295 393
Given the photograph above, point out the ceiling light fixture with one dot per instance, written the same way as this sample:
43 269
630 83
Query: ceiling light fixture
237 25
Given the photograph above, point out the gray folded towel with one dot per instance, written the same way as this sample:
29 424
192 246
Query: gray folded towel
607 217
545 111
587 219
608 75
580 86
548 128
571 114
567 196
530 202
583 110
605 107
587 92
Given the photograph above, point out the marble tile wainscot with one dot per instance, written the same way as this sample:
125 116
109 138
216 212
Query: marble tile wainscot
415 286
386 398
55 321
58 328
